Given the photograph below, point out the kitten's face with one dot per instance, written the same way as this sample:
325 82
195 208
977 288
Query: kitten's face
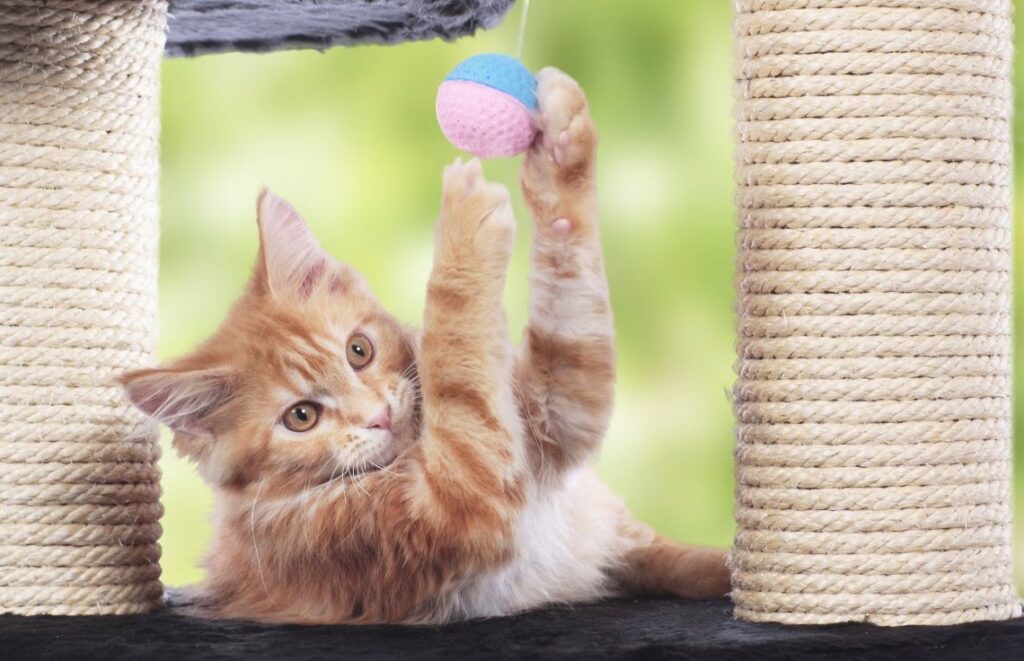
309 380
324 391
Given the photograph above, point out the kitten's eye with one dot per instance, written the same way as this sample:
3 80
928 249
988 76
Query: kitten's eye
302 416
360 351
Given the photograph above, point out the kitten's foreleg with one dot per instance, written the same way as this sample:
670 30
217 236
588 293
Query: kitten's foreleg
566 367
472 455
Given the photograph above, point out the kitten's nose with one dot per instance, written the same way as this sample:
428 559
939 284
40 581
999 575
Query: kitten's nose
382 420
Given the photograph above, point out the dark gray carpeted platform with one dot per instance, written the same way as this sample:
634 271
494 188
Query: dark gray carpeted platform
647 629
196 27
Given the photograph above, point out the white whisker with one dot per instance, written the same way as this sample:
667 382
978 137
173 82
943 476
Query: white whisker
330 480
255 546
357 483
383 469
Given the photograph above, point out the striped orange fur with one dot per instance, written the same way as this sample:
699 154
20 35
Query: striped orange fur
445 474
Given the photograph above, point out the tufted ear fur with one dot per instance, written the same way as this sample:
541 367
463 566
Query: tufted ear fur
182 399
290 260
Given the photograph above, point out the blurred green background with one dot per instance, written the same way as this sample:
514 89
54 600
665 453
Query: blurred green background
349 137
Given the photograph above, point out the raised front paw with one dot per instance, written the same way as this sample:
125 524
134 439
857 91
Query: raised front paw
476 227
558 173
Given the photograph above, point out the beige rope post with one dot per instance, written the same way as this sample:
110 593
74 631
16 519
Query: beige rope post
873 402
79 492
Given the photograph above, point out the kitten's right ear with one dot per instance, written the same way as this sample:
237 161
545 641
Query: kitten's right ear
291 260
182 399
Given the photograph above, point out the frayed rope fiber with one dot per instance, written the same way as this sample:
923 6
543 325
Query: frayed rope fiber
873 401
79 485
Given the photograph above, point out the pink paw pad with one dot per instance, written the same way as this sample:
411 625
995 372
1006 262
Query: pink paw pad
561 226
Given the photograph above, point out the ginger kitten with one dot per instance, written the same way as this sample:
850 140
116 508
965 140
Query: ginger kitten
367 473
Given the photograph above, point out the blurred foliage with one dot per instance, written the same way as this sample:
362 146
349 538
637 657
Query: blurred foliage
349 137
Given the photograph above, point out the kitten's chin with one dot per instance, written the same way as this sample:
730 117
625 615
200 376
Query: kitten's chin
389 450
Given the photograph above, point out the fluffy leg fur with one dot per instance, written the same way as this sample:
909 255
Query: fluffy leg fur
566 367
473 458
663 567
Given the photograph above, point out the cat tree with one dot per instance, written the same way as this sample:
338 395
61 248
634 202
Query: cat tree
873 401
873 462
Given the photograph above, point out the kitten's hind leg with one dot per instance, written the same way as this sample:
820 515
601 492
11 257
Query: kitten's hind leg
566 368
663 567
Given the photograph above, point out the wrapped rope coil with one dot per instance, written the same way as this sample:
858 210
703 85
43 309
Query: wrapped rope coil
79 486
873 401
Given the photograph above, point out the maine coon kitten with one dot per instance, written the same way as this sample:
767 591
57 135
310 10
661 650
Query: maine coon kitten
366 473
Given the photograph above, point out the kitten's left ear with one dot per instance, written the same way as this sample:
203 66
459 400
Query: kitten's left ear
290 260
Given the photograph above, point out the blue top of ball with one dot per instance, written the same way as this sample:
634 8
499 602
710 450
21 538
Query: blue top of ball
501 72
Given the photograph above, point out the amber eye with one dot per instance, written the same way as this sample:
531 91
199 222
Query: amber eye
360 351
302 416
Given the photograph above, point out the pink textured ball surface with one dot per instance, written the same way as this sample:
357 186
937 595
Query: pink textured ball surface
482 120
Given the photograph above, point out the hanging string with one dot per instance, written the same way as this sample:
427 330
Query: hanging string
522 29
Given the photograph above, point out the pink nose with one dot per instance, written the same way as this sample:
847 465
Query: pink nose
382 420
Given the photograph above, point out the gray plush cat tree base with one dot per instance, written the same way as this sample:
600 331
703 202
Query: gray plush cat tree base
642 630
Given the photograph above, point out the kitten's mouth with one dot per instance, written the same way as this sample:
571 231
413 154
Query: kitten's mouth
372 467
349 473
359 471
380 463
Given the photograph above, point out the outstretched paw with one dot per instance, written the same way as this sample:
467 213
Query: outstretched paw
568 136
559 167
476 216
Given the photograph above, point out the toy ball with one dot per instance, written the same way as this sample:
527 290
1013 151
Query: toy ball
485 106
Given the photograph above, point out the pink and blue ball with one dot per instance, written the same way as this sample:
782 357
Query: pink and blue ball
486 105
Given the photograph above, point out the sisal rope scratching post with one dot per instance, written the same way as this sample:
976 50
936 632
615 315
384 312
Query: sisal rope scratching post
79 492
873 401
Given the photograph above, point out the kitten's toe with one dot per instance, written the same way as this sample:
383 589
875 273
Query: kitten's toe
468 198
560 163
499 222
476 216
495 231
569 136
461 179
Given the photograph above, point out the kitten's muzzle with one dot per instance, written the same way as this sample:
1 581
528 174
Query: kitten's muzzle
382 420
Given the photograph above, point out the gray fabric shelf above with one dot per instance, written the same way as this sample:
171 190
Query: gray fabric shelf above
197 27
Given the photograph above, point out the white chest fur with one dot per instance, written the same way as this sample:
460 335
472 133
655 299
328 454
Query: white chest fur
567 539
